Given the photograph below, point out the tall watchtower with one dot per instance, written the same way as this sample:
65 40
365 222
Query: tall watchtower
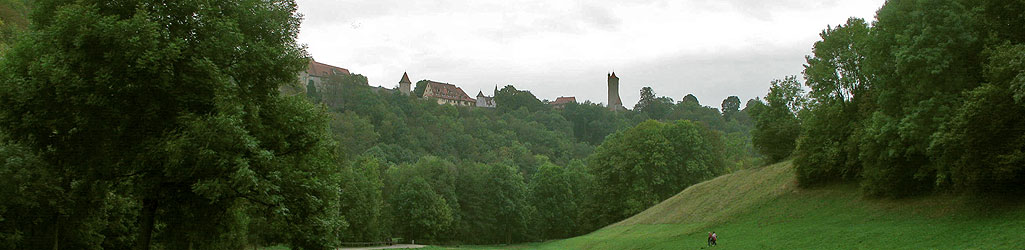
615 104
404 84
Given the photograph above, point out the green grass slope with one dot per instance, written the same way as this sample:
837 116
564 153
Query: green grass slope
763 209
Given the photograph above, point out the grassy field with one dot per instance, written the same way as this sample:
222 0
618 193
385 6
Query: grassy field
763 209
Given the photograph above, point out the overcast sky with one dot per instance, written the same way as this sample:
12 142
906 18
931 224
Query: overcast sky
711 48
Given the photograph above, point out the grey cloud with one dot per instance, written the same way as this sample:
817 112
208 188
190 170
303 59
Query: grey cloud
600 17
766 10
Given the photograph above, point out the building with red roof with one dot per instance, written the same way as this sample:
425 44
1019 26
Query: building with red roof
446 93
561 102
317 73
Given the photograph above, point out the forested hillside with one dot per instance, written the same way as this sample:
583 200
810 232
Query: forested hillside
927 98
159 125
522 171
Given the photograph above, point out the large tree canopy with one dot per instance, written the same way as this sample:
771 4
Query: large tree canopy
174 104
639 167
926 98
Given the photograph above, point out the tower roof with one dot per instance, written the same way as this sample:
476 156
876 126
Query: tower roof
405 78
613 75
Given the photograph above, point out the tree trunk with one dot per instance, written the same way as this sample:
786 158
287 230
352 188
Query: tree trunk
146 218
56 231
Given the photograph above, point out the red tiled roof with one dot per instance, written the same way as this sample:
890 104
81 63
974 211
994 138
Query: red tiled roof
564 100
405 78
447 91
319 69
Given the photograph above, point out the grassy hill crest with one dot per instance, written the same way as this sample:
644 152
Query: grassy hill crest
763 208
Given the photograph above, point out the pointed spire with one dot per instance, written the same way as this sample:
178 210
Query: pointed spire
405 78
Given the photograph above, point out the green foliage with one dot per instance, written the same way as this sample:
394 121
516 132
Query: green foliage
776 124
552 193
174 110
835 72
312 93
421 86
362 201
730 107
690 98
644 165
828 151
761 209
509 99
693 111
355 132
423 213
655 107
921 101
487 164
979 148
13 21
592 122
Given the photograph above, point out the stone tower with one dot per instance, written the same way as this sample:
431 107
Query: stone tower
615 104
404 84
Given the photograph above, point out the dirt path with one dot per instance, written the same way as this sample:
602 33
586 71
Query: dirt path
398 246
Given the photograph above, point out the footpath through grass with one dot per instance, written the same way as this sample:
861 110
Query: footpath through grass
763 209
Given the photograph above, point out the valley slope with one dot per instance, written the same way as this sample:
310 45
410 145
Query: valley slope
764 209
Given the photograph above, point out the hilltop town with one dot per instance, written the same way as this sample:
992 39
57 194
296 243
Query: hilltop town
316 75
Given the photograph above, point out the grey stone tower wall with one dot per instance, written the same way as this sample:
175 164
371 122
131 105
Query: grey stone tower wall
404 84
614 102
404 87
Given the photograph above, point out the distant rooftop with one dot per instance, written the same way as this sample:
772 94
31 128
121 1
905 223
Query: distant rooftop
321 69
447 91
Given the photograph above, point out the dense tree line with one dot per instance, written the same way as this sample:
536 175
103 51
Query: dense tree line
926 98
178 125
523 171
139 123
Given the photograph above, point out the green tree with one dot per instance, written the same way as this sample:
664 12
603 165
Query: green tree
361 201
509 99
730 107
552 193
690 98
655 107
776 125
977 149
509 202
691 110
828 150
176 106
923 56
418 90
421 213
639 167
591 121
354 134
312 93
647 98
